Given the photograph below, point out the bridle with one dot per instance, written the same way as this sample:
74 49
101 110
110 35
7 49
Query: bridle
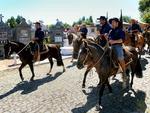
17 45
97 61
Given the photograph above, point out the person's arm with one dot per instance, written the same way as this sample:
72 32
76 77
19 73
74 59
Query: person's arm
39 36
115 41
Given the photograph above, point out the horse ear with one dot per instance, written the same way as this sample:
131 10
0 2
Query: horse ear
85 43
7 41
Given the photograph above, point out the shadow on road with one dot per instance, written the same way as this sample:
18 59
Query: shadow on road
28 87
144 62
118 102
73 64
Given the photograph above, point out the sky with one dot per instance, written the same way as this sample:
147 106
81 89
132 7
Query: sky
67 10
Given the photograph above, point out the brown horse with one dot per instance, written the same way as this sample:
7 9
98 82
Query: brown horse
146 35
93 55
138 42
26 57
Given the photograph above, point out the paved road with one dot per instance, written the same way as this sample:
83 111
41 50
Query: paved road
62 92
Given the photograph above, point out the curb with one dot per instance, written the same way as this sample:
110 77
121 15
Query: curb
35 64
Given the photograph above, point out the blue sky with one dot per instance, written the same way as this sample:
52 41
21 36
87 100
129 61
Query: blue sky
67 10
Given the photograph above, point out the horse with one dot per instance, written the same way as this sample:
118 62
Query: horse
92 55
146 35
139 41
26 56
76 41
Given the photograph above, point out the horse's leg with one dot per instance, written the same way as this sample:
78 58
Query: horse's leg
140 52
32 70
84 80
20 70
99 107
109 87
132 77
63 67
51 65
128 77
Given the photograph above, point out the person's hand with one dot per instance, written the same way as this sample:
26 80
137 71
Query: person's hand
34 39
111 42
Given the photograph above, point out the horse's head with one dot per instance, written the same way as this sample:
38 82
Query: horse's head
83 55
9 48
89 54
70 38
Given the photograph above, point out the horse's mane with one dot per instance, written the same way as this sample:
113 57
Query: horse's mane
16 42
93 44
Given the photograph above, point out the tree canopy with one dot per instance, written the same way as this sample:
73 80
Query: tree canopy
87 21
144 8
13 22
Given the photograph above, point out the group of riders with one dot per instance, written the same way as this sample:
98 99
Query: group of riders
112 32
109 31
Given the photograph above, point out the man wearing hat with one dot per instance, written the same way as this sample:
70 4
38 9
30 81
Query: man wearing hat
38 41
116 37
103 30
134 29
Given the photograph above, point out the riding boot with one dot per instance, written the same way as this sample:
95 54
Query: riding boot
124 77
35 56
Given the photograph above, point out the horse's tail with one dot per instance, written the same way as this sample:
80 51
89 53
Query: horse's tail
138 69
59 57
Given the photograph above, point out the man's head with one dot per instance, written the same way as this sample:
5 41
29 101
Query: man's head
133 21
37 25
114 22
102 20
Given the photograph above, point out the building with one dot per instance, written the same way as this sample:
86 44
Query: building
5 34
57 33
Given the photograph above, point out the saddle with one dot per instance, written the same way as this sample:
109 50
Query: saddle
127 57
39 52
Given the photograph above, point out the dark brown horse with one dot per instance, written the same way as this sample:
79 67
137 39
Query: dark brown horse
93 55
76 41
26 57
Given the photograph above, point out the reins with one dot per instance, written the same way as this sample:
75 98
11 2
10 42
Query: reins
96 61
23 48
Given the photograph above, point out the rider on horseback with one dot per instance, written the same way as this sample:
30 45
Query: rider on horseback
37 41
103 31
134 29
116 37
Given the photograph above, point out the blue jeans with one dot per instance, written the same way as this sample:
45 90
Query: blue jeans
118 49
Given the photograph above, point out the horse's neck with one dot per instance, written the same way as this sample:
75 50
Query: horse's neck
19 48
75 36
97 52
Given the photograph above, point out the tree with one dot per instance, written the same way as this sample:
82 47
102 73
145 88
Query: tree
12 22
144 8
65 25
19 19
87 21
91 19
83 18
126 19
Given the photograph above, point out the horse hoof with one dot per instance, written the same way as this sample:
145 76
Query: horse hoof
48 74
98 107
83 86
31 80
22 79
64 70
